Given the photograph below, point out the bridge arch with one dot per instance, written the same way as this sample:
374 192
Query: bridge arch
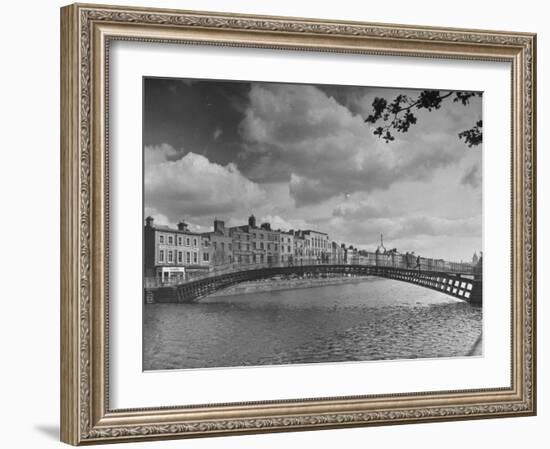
466 287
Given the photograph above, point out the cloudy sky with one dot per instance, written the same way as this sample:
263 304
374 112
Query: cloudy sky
301 156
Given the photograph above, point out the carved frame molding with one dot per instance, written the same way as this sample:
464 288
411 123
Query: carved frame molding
87 31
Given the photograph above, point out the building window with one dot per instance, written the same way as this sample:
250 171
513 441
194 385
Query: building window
187 241
205 257
223 246
195 243
229 246
180 257
180 241
161 239
195 256
188 257
215 245
262 245
269 246
170 258
161 255
170 240
276 246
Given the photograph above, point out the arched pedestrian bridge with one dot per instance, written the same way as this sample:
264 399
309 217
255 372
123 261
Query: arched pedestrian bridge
462 281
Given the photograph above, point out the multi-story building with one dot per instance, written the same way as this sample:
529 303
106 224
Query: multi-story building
256 245
286 247
299 247
242 245
270 238
171 254
221 244
316 246
350 254
337 253
364 257
206 248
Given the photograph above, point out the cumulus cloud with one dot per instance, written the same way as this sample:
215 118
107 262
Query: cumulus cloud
403 229
357 99
217 133
308 191
472 177
160 219
302 157
283 224
362 211
438 226
178 186
300 135
451 117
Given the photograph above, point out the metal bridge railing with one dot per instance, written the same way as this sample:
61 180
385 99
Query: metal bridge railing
388 259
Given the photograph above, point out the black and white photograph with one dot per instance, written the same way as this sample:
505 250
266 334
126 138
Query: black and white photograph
304 223
275 224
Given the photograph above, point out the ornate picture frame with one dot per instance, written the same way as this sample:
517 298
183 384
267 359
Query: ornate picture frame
87 32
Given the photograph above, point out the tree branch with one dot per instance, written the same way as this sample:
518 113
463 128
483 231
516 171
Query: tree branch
427 99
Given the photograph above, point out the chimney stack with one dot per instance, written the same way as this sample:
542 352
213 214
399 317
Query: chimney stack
219 226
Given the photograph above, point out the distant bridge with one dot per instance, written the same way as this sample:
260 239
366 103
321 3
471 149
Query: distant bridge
461 281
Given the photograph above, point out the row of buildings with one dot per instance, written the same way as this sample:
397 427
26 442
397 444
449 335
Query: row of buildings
173 254
177 253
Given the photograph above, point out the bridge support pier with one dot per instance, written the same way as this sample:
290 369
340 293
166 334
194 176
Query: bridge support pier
476 298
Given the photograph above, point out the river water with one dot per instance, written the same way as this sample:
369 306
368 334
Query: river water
374 319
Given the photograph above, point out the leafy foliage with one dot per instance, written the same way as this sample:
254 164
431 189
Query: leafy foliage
398 115
473 136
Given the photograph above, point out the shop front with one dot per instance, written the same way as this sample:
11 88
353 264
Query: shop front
170 275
